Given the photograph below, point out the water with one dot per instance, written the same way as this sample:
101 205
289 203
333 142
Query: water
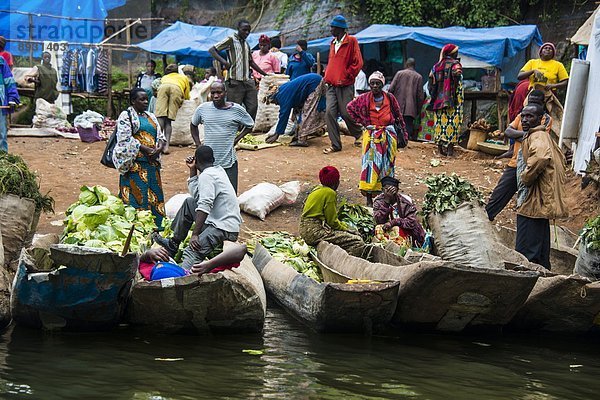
296 364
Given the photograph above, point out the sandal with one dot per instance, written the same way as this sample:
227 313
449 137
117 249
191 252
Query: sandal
329 150
296 143
358 143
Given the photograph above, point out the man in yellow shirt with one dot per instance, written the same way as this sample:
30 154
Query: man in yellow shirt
545 72
173 90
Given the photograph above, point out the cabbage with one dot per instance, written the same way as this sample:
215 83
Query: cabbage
95 215
101 192
130 213
87 196
106 233
94 243
115 205
78 212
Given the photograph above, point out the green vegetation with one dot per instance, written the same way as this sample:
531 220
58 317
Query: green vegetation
591 234
359 218
17 179
447 192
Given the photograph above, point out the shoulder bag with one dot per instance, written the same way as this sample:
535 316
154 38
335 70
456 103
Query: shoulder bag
106 159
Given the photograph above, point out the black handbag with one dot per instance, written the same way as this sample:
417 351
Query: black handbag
400 134
106 159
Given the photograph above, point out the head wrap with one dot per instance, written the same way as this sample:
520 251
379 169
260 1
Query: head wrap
339 22
389 181
155 84
377 76
548 44
447 50
170 69
329 176
264 39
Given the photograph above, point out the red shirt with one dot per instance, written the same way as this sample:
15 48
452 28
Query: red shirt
343 66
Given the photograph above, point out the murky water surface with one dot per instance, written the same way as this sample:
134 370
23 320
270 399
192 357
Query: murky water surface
295 363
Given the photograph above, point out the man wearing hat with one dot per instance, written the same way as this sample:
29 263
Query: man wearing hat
345 62
392 208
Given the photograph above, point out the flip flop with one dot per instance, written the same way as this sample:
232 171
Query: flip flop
358 143
329 150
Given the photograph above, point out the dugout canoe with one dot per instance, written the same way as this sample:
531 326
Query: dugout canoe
562 253
71 288
231 301
562 304
440 295
327 307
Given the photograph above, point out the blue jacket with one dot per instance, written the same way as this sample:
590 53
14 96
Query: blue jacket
293 94
299 67
8 86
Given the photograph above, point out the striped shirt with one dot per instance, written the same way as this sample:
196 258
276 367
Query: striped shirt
238 55
220 128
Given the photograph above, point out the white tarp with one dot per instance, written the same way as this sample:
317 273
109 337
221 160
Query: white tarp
590 123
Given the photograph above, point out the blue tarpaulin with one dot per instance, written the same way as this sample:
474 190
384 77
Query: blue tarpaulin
490 45
16 25
190 43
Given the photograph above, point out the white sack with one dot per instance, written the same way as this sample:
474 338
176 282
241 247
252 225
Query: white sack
263 198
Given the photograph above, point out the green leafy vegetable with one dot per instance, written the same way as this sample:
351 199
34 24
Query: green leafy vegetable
359 218
106 222
17 179
447 193
591 234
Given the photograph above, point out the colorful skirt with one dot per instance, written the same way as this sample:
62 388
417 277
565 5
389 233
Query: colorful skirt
448 122
379 148
141 188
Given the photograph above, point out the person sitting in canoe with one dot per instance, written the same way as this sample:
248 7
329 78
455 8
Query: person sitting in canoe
319 219
213 207
156 264
392 208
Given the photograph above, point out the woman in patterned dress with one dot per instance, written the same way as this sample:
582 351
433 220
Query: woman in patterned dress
136 156
445 87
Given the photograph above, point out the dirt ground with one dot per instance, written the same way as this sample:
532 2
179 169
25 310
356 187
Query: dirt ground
64 165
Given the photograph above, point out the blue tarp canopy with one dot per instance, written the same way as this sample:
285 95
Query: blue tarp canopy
190 43
16 26
490 45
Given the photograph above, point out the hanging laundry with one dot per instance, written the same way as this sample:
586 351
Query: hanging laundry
102 72
64 71
91 80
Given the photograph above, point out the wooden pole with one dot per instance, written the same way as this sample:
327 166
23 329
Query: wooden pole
164 60
319 62
128 39
31 38
109 102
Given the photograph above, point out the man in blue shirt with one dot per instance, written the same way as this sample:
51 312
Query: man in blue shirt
301 62
294 96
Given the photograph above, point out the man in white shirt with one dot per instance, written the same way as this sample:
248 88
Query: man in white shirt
213 207
281 56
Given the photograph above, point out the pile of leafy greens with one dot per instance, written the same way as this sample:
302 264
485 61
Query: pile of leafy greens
359 218
591 234
17 179
292 251
447 192
99 219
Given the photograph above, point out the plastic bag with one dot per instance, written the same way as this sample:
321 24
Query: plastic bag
267 114
266 197
174 204
49 116
181 135
588 262
88 119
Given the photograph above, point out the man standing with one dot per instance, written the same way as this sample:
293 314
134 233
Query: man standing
541 175
281 56
507 185
301 62
407 87
345 61
213 206
222 120
240 85
9 97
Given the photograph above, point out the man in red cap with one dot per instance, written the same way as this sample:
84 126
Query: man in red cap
319 219
344 64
